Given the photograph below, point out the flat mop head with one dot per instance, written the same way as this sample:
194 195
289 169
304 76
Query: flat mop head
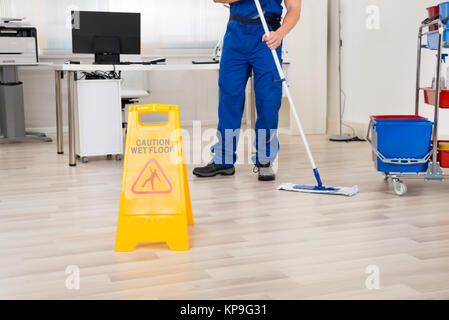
348 192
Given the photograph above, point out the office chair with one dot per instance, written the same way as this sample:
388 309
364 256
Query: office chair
134 88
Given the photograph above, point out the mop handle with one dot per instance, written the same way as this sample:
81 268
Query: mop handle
287 89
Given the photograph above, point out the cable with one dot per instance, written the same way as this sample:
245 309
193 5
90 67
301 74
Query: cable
102 75
356 138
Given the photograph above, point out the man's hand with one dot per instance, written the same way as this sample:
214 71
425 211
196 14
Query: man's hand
290 21
274 40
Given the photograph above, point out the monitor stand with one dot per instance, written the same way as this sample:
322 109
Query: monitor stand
107 58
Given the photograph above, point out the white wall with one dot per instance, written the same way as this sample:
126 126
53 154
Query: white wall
185 24
307 75
6 8
379 66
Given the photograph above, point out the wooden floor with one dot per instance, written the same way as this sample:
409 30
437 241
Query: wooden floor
249 242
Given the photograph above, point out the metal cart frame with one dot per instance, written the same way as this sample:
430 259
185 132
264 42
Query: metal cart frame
434 172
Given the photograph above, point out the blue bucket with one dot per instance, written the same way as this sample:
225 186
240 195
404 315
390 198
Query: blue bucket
402 139
444 11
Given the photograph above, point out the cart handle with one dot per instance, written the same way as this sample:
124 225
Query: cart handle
401 161
429 20
445 20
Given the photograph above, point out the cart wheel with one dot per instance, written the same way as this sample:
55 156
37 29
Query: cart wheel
386 176
399 187
85 159
118 157
109 156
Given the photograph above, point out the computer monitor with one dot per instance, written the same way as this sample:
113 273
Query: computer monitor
106 34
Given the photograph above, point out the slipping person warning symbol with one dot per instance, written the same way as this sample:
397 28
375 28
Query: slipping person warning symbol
152 180
153 176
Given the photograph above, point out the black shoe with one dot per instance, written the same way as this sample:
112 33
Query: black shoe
212 170
265 171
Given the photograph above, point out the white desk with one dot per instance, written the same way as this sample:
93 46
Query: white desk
39 64
72 69
136 67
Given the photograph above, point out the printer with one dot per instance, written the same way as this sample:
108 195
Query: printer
18 43
18 47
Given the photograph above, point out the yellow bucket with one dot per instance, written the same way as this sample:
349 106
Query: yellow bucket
443 145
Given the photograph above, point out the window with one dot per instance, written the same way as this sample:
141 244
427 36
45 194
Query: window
6 8
167 24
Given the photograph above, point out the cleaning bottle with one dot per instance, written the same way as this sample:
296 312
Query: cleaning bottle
443 81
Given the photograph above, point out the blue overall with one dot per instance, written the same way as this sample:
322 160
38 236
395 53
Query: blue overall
243 52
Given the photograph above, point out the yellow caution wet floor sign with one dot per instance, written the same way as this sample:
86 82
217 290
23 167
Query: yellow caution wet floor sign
155 203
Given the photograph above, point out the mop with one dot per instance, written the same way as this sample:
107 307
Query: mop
319 188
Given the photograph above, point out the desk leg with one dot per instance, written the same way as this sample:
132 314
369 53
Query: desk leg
71 84
59 115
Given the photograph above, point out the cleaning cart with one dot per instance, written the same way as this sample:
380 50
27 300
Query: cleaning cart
407 147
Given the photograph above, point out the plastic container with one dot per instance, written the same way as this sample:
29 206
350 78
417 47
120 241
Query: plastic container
430 95
394 117
432 39
433 12
443 153
401 137
444 11
443 158
443 145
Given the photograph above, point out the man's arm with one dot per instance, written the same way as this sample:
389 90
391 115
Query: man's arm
226 1
291 19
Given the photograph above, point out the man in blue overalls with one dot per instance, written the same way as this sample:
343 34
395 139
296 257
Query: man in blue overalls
246 48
